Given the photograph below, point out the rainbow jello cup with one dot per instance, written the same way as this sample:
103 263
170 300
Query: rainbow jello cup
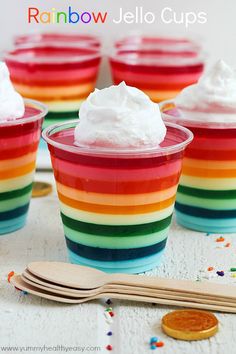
18 148
116 205
206 197
161 67
59 74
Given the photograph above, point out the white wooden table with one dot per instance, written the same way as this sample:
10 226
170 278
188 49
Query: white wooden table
30 321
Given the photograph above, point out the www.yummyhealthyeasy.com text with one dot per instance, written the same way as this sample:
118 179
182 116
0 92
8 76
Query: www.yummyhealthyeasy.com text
139 15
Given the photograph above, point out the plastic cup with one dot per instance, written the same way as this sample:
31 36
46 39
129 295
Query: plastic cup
116 205
59 74
206 198
161 67
18 148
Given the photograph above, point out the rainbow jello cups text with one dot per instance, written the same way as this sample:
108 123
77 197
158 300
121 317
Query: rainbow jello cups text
18 148
116 206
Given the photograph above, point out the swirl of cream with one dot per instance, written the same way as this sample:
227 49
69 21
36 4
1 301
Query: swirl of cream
11 103
215 91
119 117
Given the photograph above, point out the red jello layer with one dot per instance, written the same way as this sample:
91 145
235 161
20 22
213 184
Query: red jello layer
113 162
50 58
27 75
158 53
53 66
110 174
115 186
212 144
162 69
19 137
17 128
155 79
21 150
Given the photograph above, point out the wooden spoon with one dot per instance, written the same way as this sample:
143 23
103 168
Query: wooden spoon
120 289
80 277
167 294
17 281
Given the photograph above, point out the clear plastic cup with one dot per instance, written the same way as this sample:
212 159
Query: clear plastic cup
161 67
206 197
59 74
18 148
116 205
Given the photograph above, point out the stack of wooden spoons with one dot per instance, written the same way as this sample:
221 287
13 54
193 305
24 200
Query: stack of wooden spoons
76 284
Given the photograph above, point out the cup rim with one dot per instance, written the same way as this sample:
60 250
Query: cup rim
114 152
135 42
193 123
135 59
31 38
179 35
162 61
42 107
11 56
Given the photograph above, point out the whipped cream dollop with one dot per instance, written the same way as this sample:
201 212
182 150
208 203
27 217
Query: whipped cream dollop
11 103
119 117
215 91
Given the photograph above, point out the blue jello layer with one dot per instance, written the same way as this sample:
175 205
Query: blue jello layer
220 225
114 255
135 266
12 225
43 145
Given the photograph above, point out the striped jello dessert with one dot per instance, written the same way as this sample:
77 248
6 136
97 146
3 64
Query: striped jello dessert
206 198
60 74
161 67
18 148
116 206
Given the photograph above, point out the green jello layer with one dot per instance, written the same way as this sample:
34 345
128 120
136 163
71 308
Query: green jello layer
115 242
15 193
217 204
207 193
116 230
13 203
